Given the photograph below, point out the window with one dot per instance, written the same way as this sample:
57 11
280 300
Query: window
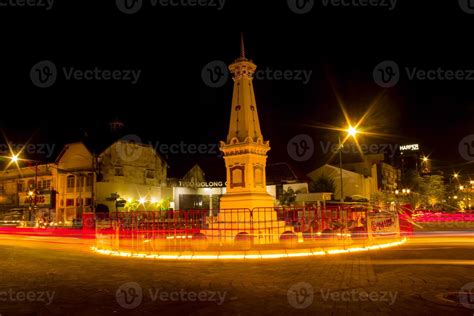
69 202
88 202
40 185
20 186
80 181
150 174
47 184
70 182
31 184
89 179
119 171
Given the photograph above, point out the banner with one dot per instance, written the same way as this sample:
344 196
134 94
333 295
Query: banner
383 225
41 199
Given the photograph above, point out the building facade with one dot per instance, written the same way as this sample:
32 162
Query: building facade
79 182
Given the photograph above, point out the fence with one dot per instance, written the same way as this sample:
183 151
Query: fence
244 229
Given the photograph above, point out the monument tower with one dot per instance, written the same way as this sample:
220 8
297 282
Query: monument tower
245 150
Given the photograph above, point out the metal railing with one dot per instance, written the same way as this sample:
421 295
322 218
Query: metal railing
244 229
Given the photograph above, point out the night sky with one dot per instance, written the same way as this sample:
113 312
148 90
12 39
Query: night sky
171 104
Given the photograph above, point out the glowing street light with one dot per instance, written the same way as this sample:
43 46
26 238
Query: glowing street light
456 175
14 158
461 187
425 159
352 131
142 200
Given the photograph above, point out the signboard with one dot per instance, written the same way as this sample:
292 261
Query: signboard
41 199
212 184
383 225
412 147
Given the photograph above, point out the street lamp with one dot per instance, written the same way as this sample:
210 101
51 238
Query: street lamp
351 131
14 158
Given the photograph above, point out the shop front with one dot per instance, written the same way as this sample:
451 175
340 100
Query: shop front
37 207
198 195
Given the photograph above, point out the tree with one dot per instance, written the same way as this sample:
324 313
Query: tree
434 190
288 197
427 191
323 183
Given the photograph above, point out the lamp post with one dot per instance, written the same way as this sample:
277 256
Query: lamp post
351 131
340 168
33 192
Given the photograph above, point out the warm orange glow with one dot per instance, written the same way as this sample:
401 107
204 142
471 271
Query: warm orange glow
244 256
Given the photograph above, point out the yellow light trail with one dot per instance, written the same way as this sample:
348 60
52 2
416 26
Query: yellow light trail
243 256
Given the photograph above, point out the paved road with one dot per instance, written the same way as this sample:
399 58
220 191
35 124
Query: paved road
62 277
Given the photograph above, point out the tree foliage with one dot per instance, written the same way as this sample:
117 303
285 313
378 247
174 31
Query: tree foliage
323 183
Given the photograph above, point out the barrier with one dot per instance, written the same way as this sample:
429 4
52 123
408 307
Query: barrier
243 229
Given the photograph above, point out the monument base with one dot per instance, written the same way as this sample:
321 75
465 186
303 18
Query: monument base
247 214
246 200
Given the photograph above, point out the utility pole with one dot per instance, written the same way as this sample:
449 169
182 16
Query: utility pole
340 168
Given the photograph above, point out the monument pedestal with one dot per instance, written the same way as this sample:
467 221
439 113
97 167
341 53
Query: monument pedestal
247 214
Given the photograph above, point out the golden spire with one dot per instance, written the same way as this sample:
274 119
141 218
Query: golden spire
242 46
244 122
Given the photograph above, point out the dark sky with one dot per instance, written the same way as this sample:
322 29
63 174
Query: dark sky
171 104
